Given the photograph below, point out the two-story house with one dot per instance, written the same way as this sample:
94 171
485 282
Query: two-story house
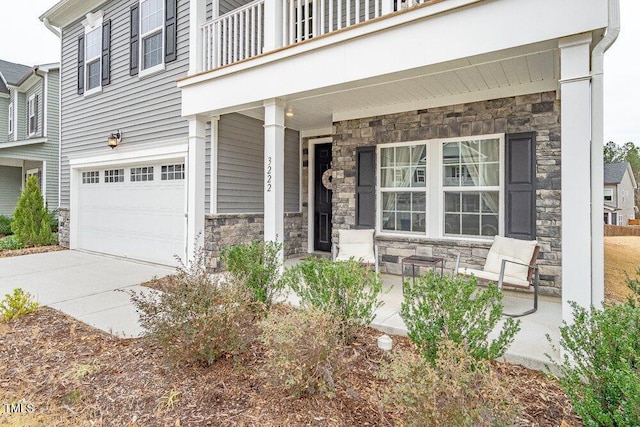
619 193
29 131
438 123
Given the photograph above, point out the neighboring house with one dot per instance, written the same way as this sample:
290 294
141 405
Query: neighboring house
437 123
619 193
29 131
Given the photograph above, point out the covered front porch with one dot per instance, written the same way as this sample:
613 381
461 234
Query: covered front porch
530 347
391 115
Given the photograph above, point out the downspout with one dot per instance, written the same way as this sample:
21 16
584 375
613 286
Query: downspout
58 33
597 158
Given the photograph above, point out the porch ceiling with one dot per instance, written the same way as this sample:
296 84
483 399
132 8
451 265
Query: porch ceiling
474 79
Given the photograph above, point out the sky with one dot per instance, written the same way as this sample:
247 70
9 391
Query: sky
25 40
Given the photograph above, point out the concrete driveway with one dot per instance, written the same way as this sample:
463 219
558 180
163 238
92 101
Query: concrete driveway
83 285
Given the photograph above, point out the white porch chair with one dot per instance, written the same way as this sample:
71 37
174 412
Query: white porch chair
357 244
510 263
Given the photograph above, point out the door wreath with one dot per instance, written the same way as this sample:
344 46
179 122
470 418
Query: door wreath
327 179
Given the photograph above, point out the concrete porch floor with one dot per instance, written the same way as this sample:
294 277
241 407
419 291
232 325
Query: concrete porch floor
530 346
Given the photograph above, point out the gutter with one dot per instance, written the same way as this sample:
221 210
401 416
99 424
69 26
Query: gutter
51 28
597 142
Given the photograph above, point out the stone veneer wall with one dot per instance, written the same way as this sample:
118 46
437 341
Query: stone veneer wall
537 112
64 227
232 229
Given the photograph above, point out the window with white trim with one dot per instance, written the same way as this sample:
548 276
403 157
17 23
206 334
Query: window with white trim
11 123
471 184
172 172
91 177
608 194
454 185
151 35
92 55
114 175
32 115
140 174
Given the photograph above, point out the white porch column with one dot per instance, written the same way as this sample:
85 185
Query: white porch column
273 170
197 16
577 238
195 185
273 22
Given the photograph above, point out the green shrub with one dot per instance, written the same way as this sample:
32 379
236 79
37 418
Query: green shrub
17 304
457 390
437 308
600 369
5 226
199 320
303 350
346 290
257 265
9 243
30 218
53 220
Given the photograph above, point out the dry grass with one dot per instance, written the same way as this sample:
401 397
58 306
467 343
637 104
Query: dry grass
621 255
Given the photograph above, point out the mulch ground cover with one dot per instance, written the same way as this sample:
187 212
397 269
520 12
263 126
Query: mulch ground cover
32 250
74 375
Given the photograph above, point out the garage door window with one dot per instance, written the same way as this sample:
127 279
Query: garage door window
91 177
172 172
142 174
114 175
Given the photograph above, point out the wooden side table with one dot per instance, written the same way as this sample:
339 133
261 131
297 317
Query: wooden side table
421 261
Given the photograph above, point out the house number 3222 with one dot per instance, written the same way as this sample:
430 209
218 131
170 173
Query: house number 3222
269 176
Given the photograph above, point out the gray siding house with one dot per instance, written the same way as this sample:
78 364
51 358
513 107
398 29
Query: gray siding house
438 123
619 193
120 63
29 131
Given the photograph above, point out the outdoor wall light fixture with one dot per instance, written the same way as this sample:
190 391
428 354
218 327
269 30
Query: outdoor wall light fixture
289 112
114 139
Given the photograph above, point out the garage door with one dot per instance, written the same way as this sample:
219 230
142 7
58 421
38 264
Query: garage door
136 212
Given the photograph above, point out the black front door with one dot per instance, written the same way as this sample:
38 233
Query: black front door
322 202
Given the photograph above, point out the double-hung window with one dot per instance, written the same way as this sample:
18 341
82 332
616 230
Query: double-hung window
94 54
32 115
471 187
151 35
441 188
11 121
93 40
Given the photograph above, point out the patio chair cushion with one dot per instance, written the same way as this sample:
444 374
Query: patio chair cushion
493 277
357 244
512 250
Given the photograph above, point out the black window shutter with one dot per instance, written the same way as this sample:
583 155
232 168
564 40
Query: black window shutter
35 114
365 187
81 64
170 31
520 186
106 52
134 40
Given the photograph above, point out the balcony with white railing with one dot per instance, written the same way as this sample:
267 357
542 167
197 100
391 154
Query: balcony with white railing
240 33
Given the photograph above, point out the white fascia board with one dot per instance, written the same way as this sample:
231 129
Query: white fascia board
177 151
12 162
66 12
22 143
386 47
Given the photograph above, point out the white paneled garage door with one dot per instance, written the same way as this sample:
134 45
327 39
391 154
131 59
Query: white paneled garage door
135 211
